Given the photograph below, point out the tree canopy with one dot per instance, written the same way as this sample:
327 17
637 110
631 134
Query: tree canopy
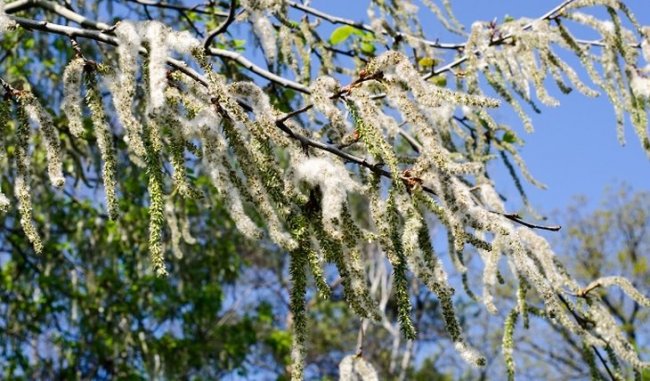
142 138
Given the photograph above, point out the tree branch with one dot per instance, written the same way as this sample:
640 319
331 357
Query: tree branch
553 12
247 64
280 123
359 25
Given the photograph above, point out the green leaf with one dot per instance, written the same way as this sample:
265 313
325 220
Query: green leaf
509 137
439 80
340 34
366 36
367 48
29 43
239 44
427 62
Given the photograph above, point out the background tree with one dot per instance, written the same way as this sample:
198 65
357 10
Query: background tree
611 240
345 159
597 241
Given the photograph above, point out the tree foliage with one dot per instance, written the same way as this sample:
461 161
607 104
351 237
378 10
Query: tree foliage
345 155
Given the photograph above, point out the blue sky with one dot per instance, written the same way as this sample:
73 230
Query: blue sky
574 149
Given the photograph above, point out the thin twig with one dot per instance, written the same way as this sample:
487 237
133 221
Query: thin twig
191 23
515 217
223 26
376 168
500 40
581 322
360 338
177 7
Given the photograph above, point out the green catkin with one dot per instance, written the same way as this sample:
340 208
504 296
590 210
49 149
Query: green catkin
104 143
443 291
571 75
257 186
398 262
72 101
39 118
520 164
334 252
477 242
521 300
352 236
374 141
595 77
611 355
315 260
21 186
590 359
316 265
467 288
262 176
168 118
176 147
508 342
156 205
253 151
253 162
559 80
497 84
299 262
5 116
515 177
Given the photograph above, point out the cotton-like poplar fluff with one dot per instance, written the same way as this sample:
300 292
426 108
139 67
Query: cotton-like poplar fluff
415 152
322 90
640 85
621 282
5 22
104 143
5 116
437 167
155 35
122 85
4 203
41 120
470 355
213 155
262 26
356 368
22 189
72 100
183 42
334 182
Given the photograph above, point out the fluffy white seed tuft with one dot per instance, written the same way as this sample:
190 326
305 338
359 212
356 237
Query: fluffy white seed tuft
4 203
182 42
72 100
334 182
640 85
5 22
265 32
155 34
356 368
41 120
469 354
